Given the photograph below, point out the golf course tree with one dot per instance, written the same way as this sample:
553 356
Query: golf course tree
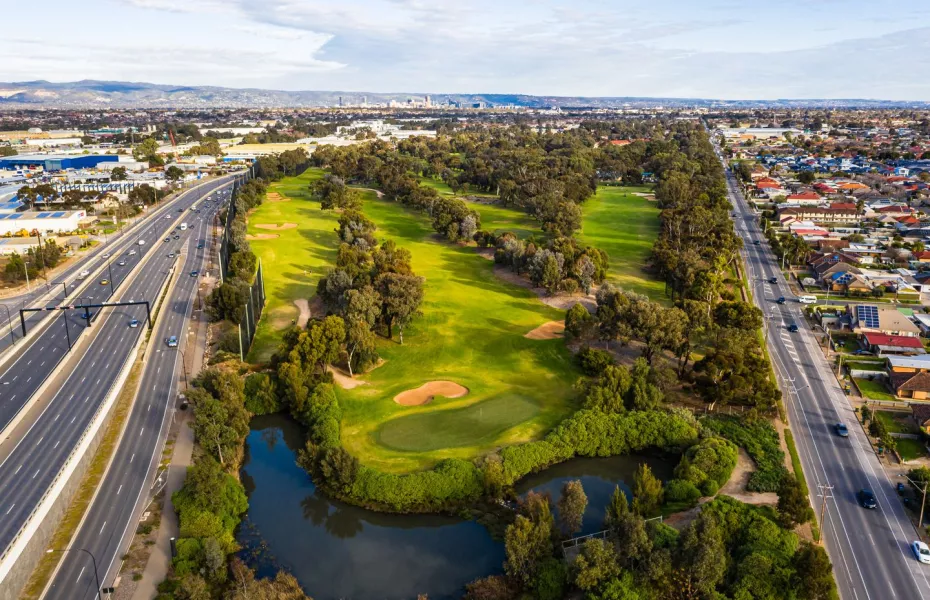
273 167
572 504
332 192
401 296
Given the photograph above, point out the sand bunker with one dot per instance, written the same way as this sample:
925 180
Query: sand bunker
426 392
647 196
304 307
275 226
343 380
547 331
276 197
261 236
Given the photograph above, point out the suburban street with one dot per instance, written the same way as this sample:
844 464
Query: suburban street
32 465
22 376
111 519
869 548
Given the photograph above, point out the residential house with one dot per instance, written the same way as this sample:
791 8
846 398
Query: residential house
921 415
819 214
870 318
881 344
915 386
804 198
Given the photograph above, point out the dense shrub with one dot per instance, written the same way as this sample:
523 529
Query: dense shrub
452 481
679 490
260 394
713 458
593 361
760 440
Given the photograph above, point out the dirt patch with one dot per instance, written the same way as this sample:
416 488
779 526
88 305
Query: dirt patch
261 236
304 307
486 253
343 379
426 392
736 486
276 197
276 226
547 331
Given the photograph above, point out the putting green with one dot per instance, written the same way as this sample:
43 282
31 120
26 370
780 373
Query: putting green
466 426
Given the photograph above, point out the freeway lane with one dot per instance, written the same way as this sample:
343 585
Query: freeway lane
34 463
21 378
113 514
869 548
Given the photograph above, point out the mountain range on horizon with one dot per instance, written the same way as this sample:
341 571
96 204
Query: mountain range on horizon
89 94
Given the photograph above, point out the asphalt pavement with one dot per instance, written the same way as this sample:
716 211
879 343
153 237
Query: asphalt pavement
31 467
870 549
111 519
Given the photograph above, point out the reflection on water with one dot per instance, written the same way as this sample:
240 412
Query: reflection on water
340 551
599 477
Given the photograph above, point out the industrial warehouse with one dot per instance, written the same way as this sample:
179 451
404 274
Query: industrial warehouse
64 221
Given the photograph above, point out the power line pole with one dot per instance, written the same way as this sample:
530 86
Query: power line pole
825 490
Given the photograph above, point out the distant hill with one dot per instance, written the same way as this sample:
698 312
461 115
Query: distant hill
124 94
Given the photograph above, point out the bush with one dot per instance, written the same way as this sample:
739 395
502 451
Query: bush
709 487
680 490
260 394
711 459
760 440
593 361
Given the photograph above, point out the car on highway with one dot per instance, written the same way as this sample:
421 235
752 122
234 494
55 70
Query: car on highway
121 263
172 341
87 316
83 274
132 252
781 300
141 242
104 282
841 430
773 279
134 323
195 273
756 243
793 328
200 246
168 239
866 498
168 217
171 255
921 551
177 237
107 255
180 210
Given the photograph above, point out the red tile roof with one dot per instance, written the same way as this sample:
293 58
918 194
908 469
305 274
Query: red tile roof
804 196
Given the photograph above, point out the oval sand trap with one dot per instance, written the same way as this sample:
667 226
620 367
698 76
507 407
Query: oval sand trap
547 331
426 392
275 226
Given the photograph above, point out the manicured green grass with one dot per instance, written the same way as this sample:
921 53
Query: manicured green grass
471 332
434 430
897 422
294 261
625 226
910 449
874 390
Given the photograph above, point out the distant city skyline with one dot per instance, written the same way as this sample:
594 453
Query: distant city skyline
663 48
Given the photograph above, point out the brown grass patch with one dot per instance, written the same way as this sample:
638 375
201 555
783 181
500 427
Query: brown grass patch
276 226
547 331
426 392
261 236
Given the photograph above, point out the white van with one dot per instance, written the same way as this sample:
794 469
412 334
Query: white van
83 274
183 226
807 299
141 242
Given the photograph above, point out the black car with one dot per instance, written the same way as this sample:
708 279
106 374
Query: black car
773 279
866 498
781 300
756 243
792 328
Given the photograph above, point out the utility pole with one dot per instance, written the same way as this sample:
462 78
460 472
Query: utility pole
923 502
825 490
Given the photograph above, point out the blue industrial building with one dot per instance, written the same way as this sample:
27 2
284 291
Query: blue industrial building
56 162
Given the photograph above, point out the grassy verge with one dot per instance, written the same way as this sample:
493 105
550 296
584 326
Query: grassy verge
909 449
85 493
799 473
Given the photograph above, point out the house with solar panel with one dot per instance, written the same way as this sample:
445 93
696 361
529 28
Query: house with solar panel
870 318
46 222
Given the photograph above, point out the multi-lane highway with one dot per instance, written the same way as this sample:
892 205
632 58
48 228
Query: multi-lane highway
112 516
21 377
869 548
33 464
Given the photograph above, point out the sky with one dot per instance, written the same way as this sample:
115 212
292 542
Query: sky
731 49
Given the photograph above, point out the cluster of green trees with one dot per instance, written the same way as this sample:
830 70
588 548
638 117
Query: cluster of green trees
211 502
732 550
228 300
557 264
35 261
275 166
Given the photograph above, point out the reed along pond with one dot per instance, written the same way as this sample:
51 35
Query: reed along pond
338 551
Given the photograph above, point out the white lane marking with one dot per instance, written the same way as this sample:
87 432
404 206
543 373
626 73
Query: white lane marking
17 469
119 490
36 473
81 574
102 526
11 508
132 457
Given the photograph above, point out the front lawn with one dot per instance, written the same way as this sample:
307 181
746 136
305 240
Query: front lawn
897 422
874 390
910 449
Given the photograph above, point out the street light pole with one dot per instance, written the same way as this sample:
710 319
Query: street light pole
92 558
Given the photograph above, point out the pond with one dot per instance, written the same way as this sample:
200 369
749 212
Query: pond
341 551
599 477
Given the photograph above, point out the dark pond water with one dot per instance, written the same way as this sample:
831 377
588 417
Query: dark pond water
599 477
338 551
